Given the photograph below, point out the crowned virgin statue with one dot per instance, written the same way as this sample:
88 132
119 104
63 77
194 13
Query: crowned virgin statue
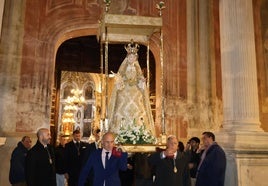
129 103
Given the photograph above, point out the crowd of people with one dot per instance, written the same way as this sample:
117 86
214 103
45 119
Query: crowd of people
101 163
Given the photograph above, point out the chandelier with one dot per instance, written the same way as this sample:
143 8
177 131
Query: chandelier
77 99
67 123
72 104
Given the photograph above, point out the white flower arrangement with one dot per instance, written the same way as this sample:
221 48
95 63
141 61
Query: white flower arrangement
134 134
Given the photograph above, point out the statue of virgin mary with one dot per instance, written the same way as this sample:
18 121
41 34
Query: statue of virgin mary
129 103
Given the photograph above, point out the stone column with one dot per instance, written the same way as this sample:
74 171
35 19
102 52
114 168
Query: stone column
203 52
198 62
243 140
191 53
239 74
191 50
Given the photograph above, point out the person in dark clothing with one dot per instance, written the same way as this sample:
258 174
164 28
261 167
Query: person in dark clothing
212 166
17 162
127 176
40 161
74 154
195 158
171 165
106 163
91 148
60 162
142 170
181 146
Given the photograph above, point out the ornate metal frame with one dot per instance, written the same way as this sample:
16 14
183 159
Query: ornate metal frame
115 28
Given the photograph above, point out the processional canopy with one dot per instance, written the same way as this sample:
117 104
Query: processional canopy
124 28
115 28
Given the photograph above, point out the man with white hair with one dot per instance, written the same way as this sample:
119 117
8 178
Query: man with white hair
40 161
171 165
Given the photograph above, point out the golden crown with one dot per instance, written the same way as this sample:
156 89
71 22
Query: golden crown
132 48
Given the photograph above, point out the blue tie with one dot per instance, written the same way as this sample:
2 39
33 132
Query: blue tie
106 159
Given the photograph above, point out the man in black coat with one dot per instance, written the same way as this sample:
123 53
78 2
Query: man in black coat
60 161
211 169
17 162
75 157
193 144
171 165
40 161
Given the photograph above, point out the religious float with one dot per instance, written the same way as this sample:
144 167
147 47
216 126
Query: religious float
128 113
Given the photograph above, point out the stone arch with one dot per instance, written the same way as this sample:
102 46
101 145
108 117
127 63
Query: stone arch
89 86
54 32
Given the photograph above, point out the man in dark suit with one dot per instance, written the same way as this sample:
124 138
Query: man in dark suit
40 161
95 144
106 163
171 165
91 148
74 156
211 169
17 162
60 161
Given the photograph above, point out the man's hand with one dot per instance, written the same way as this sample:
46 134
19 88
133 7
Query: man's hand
169 153
66 175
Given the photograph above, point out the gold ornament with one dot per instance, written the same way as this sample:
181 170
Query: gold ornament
175 170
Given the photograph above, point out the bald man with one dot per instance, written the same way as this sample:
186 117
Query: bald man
40 161
106 163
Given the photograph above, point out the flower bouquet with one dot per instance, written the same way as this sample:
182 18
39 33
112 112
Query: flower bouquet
134 134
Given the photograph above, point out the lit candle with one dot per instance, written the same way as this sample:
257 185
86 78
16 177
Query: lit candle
106 124
101 125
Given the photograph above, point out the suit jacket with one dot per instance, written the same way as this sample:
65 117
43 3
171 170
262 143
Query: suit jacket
74 160
91 148
164 169
39 170
60 159
195 160
110 175
17 164
212 170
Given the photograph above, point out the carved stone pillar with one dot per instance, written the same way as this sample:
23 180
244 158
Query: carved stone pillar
203 51
199 63
191 59
242 138
191 52
239 74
